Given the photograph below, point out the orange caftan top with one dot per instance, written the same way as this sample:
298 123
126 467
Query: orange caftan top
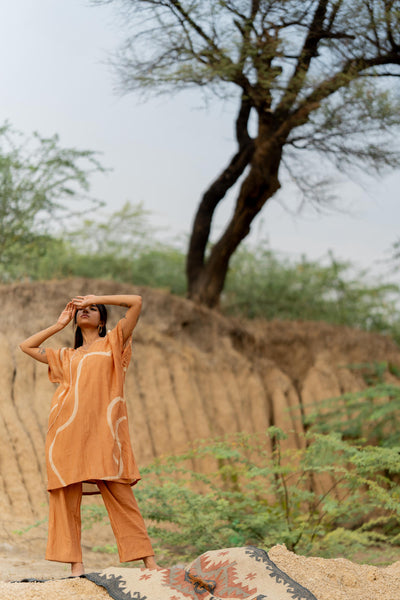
88 435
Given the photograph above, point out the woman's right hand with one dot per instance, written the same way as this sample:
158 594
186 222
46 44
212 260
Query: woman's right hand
67 314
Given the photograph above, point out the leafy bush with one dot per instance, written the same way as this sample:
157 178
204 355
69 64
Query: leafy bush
255 496
121 246
371 416
261 284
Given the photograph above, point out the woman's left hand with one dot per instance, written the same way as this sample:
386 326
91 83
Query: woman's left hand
84 301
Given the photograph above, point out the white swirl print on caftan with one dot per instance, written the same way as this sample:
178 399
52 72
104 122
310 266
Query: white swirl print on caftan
73 415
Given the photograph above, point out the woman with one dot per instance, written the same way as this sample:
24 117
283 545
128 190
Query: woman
88 448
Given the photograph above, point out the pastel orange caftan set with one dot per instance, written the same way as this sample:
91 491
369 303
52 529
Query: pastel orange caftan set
88 448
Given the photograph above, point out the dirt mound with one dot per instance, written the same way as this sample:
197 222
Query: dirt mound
194 374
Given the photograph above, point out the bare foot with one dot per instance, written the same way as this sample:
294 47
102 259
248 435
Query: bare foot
77 569
150 563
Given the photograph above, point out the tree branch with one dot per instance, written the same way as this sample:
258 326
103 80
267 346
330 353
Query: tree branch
373 23
389 30
332 18
245 30
309 51
350 71
195 26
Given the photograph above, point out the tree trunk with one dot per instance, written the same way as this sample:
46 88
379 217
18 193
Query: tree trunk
202 223
261 183
216 192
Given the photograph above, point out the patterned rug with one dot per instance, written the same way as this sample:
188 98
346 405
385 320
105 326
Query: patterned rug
246 573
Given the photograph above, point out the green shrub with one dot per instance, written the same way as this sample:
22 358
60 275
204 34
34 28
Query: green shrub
262 284
371 416
255 496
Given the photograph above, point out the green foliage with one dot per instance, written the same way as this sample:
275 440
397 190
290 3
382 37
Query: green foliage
261 284
39 182
160 267
123 234
254 495
371 416
121 246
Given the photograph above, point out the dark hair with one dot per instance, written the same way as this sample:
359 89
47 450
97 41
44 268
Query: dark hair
78 339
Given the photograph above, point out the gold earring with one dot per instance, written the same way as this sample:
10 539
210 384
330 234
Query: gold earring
99 328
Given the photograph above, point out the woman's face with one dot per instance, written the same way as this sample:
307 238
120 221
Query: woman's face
88 317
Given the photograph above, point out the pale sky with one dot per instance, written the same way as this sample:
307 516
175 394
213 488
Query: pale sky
54 78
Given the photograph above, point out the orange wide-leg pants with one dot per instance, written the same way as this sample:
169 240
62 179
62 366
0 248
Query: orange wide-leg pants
64 538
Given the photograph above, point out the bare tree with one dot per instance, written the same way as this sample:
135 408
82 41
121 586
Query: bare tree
314 75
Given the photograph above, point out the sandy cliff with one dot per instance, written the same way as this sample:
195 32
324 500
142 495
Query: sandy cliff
194 374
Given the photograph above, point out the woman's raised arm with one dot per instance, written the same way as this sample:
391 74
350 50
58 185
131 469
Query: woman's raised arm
31 345
131 301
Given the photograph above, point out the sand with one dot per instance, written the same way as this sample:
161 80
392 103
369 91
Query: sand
328 579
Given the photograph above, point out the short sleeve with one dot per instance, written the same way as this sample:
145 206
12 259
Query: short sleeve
54 358
123 351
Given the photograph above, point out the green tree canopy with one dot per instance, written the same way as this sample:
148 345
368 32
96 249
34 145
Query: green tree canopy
41 184
317 76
